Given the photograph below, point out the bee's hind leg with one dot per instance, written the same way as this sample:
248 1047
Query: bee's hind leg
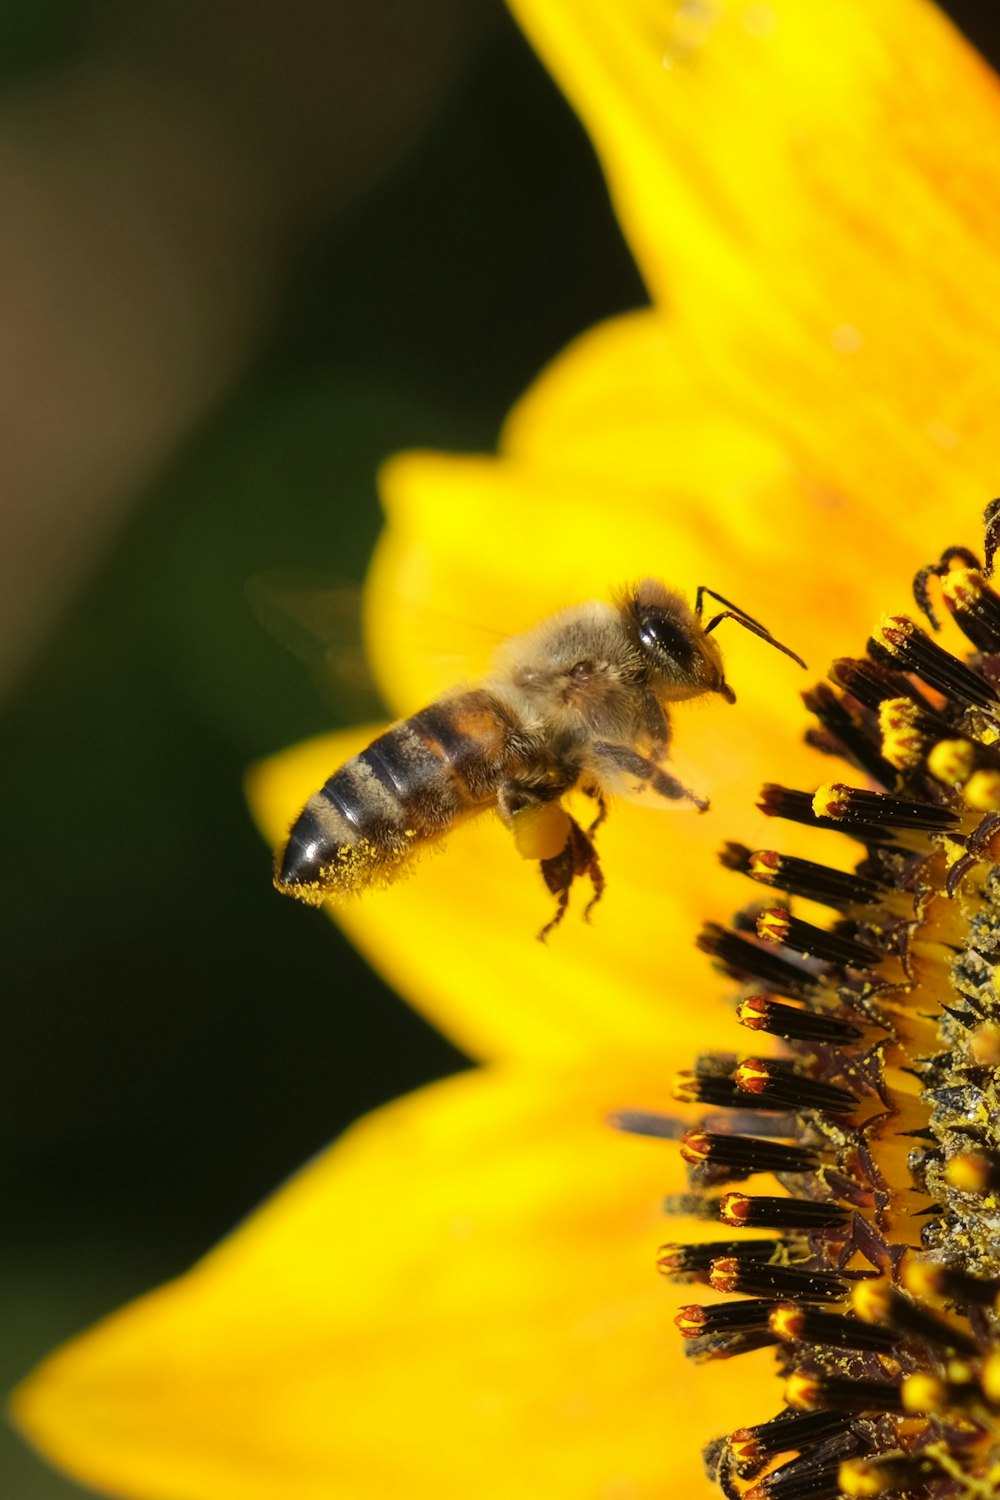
596 880
577 857
544 831
562 901
598 796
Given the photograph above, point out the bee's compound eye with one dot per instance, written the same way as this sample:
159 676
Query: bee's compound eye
662 637
581 670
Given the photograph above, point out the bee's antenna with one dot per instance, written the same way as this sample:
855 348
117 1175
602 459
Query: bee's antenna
733 612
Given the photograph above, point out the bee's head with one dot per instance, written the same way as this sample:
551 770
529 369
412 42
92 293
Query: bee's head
679 649
682 658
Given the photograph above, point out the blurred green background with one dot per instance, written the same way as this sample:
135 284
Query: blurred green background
251 249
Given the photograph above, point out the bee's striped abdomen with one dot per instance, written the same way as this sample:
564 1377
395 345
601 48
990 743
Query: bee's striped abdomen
408 787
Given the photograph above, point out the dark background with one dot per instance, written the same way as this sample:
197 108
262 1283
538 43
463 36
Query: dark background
176 1037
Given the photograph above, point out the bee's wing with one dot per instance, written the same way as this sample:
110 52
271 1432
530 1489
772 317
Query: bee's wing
641 773
317 617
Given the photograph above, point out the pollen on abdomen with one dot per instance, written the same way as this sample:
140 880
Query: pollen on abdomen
852 1163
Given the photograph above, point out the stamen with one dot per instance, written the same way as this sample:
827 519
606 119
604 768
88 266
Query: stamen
878 1302
908 731
691 1206
871 682
837 1393
854 738
921 583
778 926
799 807
812 1326
803 877
693 1088
768 1079
723 1093
906 645
646 1122
789 1430
812 1477
754 1279
695 1321
974 607
925 1278
678 1261
723 1345
764 1013
741 960
930 1393
877 811
952 761
745 1154
768 1212
888 1474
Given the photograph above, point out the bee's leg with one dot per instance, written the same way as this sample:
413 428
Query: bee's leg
594 791
558 875
577 857
544 830
642 772
592 868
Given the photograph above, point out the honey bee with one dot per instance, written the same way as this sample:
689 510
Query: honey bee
579 702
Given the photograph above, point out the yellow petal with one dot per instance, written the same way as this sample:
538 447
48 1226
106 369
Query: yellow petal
808 188
457 1300
781 151
628 402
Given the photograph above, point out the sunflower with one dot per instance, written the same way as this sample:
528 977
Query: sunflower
459 1297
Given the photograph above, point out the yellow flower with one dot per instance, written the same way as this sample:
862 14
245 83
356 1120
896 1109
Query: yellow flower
458 1299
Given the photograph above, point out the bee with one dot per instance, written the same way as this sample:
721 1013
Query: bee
582 701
